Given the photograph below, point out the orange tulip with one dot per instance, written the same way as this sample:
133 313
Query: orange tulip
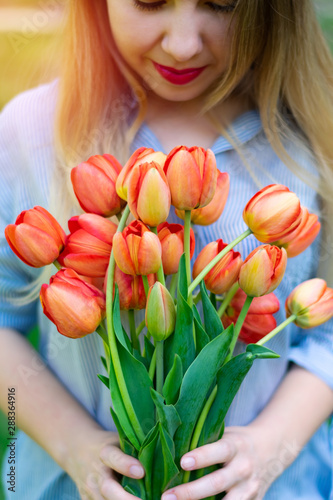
171 237
273 213
131 290
160 312
36 237
301 238
148 194
75 307
89 245
137 250
259 320
94 183
192 177
311 302
225 273
141 155
263 270
213 211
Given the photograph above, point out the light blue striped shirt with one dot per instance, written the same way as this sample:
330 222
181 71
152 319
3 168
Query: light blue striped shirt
26 164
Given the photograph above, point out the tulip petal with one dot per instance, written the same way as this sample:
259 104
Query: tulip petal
38 247
256 273
94 266
122 255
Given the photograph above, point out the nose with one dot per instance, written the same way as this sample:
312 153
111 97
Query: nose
182 39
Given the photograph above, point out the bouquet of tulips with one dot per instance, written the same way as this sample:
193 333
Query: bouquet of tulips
173 376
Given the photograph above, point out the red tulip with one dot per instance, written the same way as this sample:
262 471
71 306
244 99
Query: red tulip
213 211
273 213
263 270
301 238
36 237
89 245
225 273
311 302
131 290
94 183
75 307
148 194
137 250
258 322
160 312
171 237
140 156
192 177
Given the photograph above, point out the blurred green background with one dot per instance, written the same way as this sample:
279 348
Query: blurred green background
29 46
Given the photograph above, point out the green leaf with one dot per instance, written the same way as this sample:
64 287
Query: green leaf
194 393
129 490
182 341
149 348
146 457
202 338
213 323
120 410
138 384
117 325
173 381
261 352
167 414
140 358
229 380
104 363
105 380
168 451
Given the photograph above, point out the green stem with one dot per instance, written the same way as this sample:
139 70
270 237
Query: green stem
113 343
140 327
216 259
276 330
160 272
173 285
134 338
228 298
104 336
199 427
145 284
187 242
197 298
238 326
159 366
57 265
152 367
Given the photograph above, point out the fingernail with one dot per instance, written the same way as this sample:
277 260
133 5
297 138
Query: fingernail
136 471
187 463
169 496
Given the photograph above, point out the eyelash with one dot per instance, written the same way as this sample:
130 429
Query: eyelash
157 5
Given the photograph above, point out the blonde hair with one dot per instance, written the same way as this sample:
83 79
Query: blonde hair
280 60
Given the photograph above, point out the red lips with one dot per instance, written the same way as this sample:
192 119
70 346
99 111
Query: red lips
178 77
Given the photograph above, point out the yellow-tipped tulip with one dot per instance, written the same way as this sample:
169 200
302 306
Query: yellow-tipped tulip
311 302
263 270
160 312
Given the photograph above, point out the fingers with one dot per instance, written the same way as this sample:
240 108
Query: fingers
112 490
126 465
104 487
214 483
246 491
219 452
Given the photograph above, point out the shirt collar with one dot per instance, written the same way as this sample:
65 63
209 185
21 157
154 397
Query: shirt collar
243 129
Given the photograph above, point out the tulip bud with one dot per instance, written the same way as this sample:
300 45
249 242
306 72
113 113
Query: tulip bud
213 211
259 320
263 270
140 156
137 250
36 237
272 213
171 237
225 273
148 194
192 177
75 307
89 245
94 183
311 302
160 312
301 238
132 294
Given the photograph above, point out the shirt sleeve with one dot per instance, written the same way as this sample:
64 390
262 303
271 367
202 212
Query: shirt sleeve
16 278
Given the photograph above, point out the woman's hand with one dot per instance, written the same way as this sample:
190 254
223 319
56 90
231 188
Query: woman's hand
96 464
247 471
